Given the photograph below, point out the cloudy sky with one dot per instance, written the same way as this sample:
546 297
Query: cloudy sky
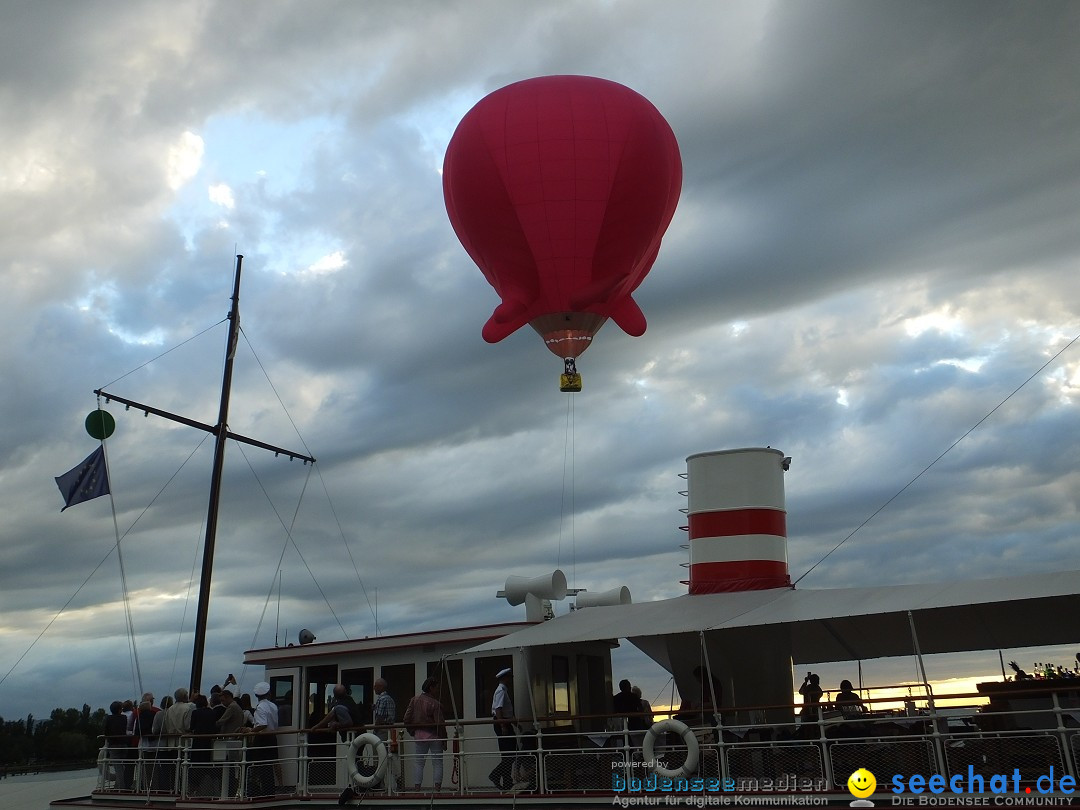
876 244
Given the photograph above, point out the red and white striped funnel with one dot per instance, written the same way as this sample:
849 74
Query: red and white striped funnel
738 520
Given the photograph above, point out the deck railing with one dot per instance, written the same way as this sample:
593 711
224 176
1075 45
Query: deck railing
813 754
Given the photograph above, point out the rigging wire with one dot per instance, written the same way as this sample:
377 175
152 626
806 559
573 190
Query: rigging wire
562 492
187 597
573 493
568 473
167 351
967 433
52 621
108 553
119 537
273 388
345 542
322 481
290 539
133 651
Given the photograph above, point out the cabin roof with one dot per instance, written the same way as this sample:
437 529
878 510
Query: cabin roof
451 639
842 624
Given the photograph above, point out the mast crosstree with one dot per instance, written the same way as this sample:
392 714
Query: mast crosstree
222 434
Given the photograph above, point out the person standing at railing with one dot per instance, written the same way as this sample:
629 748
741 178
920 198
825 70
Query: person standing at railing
203 723
699 711
264 746
116 743
230 722
144 732
849 703
425 721
384 714
340 715
383 710
646 707
176 723
628 707
811 692
244 699
232 719
502 713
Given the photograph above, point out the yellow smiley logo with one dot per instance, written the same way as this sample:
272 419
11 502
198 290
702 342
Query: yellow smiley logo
861 783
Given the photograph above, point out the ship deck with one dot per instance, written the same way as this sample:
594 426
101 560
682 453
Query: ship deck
1022 748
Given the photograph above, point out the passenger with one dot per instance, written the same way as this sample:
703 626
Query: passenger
340 714
383 716
849 703
144 732
134 728
624 704
811 691
231 722
203 723
245 706
177 717
215 703
264 746
698 710
383 710
176 721
117 743
129 713
502 714
159 717
425 721
232 719
646 707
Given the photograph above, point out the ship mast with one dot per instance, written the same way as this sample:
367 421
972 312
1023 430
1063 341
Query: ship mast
222 434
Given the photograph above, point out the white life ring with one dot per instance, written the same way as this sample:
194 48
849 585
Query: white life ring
680 728
359 741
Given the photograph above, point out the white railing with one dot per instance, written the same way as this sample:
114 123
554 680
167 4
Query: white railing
813 755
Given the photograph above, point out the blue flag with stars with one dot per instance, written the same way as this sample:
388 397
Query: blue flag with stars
85 482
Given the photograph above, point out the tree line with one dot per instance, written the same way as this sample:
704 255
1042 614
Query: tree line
69 736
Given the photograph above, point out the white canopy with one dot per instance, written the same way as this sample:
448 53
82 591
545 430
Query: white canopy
842 624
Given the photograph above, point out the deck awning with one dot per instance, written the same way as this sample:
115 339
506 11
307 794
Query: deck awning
844 624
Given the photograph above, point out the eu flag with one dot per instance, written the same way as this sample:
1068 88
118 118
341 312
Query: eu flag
85 482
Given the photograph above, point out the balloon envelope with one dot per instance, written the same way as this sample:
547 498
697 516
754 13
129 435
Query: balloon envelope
560 188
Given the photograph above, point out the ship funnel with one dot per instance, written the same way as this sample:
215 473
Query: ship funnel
737 520
616 596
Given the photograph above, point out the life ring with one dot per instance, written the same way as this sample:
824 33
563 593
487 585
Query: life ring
683 730
358 743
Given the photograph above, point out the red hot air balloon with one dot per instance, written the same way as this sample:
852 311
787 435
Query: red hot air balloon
560 189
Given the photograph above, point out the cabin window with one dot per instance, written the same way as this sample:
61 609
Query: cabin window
451 692
359 684
281 692
401 684
560 684
486 670
321 682
593 691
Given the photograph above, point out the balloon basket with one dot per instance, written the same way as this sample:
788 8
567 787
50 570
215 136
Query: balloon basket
570 383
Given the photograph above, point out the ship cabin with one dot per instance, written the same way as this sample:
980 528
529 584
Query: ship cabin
567 688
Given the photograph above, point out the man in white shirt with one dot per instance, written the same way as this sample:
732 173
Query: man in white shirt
176 720
264 745
502 713
178 716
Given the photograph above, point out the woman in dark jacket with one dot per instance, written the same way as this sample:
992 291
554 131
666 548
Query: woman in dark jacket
118 743
203 722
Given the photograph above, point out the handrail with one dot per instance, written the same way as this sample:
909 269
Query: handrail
563 744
